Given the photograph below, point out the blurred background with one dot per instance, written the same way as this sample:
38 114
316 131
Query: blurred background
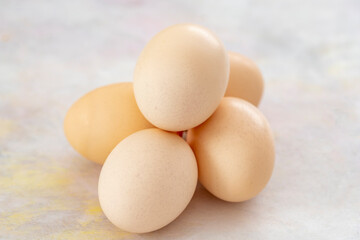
53 52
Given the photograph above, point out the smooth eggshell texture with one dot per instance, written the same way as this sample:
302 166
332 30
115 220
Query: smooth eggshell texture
235 151
99 120
181 77
245 80
147 180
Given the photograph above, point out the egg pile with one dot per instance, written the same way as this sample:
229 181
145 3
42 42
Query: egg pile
185 84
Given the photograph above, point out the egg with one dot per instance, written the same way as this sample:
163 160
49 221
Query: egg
234 150
180 77
147 180
99 120
245 80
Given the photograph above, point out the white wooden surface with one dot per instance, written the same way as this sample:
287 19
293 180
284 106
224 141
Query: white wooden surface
52 52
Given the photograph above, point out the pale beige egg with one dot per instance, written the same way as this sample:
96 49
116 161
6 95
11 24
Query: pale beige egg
99 120
245 80
181 77
235 151
147 180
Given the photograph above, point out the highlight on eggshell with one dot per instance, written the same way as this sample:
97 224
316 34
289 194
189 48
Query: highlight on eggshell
234 150
99 120
147 180
181 76
245 80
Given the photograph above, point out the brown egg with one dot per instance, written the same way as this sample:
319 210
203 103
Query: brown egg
147 180
235 151
245 81
181 77
101 119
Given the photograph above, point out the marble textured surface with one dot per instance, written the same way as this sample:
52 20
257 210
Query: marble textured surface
52 52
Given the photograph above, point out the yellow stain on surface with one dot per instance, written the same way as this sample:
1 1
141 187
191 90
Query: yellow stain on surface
5 37
23 178
6 127
13 220
19 218
92 213
91 234
93 208
46 189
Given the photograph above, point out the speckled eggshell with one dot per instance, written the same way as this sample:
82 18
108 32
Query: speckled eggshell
245 80
235 151
147 181
181 77
99 120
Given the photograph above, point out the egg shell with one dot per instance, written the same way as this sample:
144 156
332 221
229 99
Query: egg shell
245 80
99 120
147 181
234 150
181 77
